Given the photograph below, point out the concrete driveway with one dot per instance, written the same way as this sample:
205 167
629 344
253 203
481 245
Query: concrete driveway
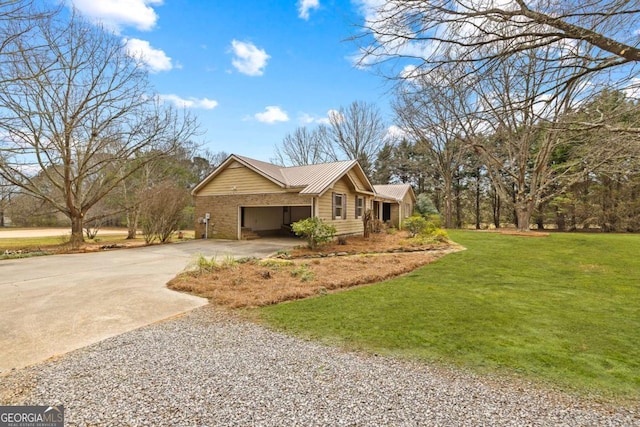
54 304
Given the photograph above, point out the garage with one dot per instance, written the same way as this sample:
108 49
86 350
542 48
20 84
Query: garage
262 221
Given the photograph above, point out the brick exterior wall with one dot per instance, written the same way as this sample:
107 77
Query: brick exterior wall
224 210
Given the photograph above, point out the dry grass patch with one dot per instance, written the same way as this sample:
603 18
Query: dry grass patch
256 283
377 242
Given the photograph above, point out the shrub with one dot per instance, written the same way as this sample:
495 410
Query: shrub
425 206
303 272
314 230
202 265
275 263
437 236
425 231
416 225
161 211
435 220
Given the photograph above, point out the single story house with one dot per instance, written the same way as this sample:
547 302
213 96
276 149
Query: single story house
245 198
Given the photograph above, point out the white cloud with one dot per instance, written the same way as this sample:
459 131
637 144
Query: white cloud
116 14
306 119
393 36
633 88
155 59
335 116
395 133
204 103
249 59
271 115
410 73
304 6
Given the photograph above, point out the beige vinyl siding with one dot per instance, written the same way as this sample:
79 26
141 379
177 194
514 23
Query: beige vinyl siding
407 205
238 179
356 180
350 225
396 220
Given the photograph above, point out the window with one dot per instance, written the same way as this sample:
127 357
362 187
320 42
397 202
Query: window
359 206
339 203
407 210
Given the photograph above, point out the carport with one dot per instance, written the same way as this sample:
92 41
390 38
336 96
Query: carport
261 221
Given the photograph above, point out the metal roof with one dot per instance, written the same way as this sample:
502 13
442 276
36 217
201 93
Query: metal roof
316 179
270 170
392 191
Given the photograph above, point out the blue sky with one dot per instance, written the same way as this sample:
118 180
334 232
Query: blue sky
252 70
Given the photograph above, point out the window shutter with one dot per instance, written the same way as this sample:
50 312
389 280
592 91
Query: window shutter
344 206
333 205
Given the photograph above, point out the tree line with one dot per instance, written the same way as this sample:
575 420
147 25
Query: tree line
504 114
509 113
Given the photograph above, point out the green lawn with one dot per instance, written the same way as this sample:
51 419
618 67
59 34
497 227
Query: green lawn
563 310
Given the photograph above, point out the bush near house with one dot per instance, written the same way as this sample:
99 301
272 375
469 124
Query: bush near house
424 230
314 230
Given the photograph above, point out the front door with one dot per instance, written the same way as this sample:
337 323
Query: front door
386 212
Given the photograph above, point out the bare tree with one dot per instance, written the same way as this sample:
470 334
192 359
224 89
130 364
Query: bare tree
357 132
84 121
203 163
601 35
162 211
6 191
523 130
430 110
304 147
18 20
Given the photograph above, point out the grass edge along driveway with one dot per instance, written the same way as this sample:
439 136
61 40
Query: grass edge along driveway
562 310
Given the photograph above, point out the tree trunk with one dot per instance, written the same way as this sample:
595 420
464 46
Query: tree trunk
132 223
458 203
478 199
77 229
496 209
524 211
560 220
514 199
448 203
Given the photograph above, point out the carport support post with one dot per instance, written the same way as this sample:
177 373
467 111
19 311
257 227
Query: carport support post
207 216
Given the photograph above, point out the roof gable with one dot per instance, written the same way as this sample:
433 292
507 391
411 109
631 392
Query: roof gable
394 191
256 166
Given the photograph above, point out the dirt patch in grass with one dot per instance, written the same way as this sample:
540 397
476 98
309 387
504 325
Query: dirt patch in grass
305 273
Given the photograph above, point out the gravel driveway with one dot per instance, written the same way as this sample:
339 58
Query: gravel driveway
208 368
